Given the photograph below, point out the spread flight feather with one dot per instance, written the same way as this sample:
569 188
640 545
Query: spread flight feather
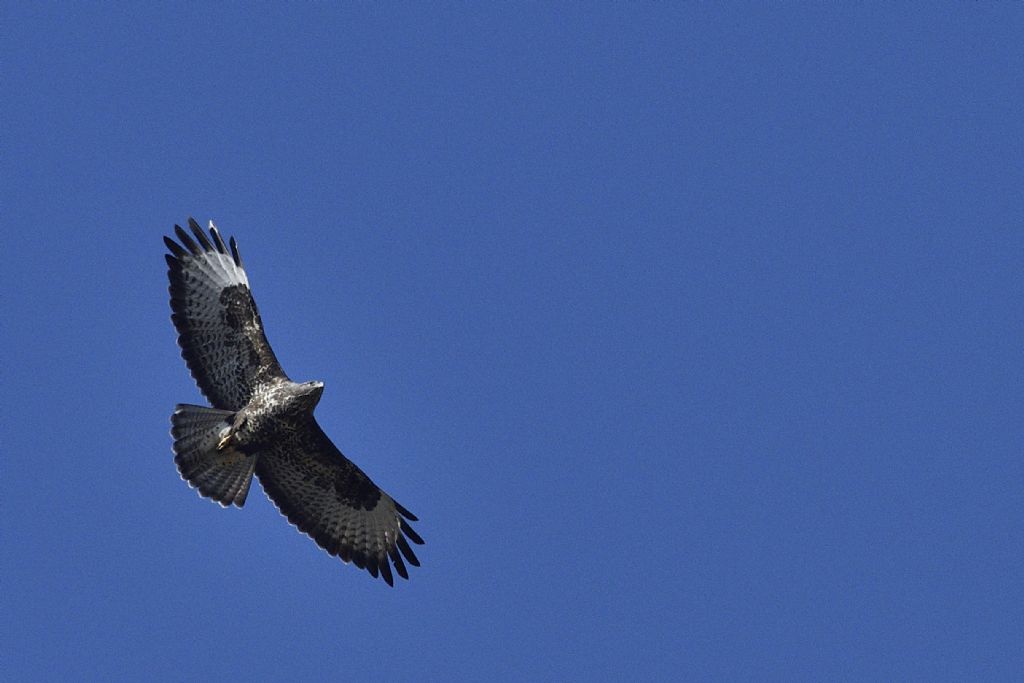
262 422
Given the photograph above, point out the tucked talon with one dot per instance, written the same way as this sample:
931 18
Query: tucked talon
225 441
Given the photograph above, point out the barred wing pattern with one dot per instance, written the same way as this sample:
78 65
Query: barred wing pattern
219 328
332 501
312 483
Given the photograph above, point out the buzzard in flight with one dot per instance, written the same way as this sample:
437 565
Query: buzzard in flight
262 422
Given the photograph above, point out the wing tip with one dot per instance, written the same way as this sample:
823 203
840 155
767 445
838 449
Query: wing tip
217 240
408 531
174 247
200 235
234 252
410 556
396 559
405 513
189 246
385 571
187 241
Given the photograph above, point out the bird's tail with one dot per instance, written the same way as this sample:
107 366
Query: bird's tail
223 474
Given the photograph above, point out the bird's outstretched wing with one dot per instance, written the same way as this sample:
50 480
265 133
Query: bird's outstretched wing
219 329
333 502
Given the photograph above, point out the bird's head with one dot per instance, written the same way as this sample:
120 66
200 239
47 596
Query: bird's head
310 393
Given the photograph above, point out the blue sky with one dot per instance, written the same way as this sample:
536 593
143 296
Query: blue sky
691 332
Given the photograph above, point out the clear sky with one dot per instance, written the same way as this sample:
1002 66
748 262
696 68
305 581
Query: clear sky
691 332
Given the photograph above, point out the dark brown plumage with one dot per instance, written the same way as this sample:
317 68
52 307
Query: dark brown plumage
262 423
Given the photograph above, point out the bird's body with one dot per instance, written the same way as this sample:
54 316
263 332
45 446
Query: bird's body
262 423
278 409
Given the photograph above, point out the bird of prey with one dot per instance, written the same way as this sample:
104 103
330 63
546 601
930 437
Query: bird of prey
262 422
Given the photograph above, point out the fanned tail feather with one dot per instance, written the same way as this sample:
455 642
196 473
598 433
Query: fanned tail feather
222 475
